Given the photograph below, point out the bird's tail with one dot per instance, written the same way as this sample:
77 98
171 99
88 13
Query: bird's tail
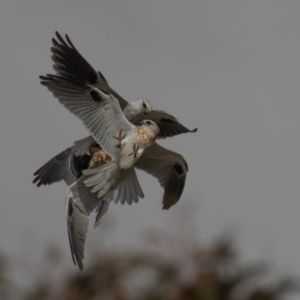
126 190
111 183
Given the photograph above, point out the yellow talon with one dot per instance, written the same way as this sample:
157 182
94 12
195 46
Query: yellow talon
135 151
119 138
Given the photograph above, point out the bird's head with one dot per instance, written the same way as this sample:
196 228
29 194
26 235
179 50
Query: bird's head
150 125
136 108
145 106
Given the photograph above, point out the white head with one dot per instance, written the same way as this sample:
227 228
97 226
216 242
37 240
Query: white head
137 107
145 105
150 125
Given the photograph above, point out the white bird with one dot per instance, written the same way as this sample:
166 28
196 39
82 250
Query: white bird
69 63
169 167
103 117
120 139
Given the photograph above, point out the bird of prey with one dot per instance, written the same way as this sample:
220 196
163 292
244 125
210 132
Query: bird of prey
122 141
69 63
74 73
102 115
168 167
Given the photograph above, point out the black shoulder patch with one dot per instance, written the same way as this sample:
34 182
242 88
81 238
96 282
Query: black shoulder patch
178 168
165 120
93 77
70 210
96 97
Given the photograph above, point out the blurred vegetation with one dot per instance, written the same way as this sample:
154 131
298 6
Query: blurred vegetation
162 271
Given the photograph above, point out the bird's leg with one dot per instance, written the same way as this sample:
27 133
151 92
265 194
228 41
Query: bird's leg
135 151
119 138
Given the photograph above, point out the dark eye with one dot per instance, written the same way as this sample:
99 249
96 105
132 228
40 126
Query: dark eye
148 123
144 105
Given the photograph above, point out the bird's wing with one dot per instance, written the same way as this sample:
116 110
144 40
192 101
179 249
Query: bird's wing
69 63
80 202
168 125
99 110
169 168
64 166
82 146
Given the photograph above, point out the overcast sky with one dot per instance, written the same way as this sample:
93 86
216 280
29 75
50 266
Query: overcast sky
230 68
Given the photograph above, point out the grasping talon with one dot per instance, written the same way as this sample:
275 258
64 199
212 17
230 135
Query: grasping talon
135 151
98 156
119 138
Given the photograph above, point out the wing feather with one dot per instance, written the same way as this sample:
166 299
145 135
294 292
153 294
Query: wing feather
69 63
80 202
99 111
169 168
168 125
54 170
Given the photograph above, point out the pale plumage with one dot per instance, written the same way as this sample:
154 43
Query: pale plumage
168 167
69 63
75 75
102 115
116 180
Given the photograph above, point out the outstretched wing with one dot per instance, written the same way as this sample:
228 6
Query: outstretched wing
64 166
169 168
99 110
69 63
168 125
80 202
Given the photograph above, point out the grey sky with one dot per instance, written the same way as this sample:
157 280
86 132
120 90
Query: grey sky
230 68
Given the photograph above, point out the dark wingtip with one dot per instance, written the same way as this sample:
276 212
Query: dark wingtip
194 130
37 181
169 201
58 36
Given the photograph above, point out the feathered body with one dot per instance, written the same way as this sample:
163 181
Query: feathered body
141 138
95 163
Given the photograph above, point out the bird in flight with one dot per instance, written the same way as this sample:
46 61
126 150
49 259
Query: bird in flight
69 63
168 167
83 91
120 139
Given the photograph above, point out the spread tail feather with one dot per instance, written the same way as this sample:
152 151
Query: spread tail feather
128 189
111 183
